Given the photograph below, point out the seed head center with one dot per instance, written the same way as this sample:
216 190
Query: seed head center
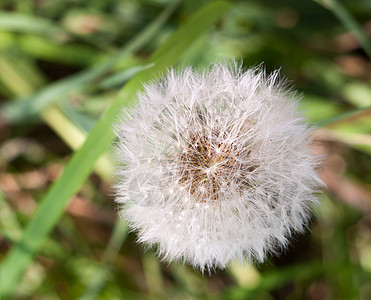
208 165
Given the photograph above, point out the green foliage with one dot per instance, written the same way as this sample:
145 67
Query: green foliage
68 69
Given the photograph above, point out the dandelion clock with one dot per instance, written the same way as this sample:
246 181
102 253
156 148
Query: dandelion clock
215 166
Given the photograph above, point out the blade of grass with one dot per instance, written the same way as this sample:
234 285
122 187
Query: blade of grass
189 282
74 137
16 80
337 218
9 225
348 21
343 117
11 67
16 22
97 283
29 24
80 165
43 48
69 54
11 231
120 77
352 128
153 276
22 110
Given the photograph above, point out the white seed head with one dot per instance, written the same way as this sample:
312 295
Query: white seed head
215 166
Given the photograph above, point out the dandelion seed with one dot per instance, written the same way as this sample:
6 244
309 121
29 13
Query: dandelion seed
231 171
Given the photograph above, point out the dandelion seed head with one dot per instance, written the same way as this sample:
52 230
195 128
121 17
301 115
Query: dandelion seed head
215 166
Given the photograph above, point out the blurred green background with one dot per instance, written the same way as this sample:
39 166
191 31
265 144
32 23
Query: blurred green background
66 69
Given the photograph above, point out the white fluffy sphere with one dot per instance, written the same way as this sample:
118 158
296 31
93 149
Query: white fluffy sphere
215 166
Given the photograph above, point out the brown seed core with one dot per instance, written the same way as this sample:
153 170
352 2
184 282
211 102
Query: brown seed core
209 164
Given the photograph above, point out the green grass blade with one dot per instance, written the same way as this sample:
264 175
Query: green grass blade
13 70
119 78
41 47
20 77
97 282
352 128
70 54
80 165
343 117
349 22
29 24
22 110
9 225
